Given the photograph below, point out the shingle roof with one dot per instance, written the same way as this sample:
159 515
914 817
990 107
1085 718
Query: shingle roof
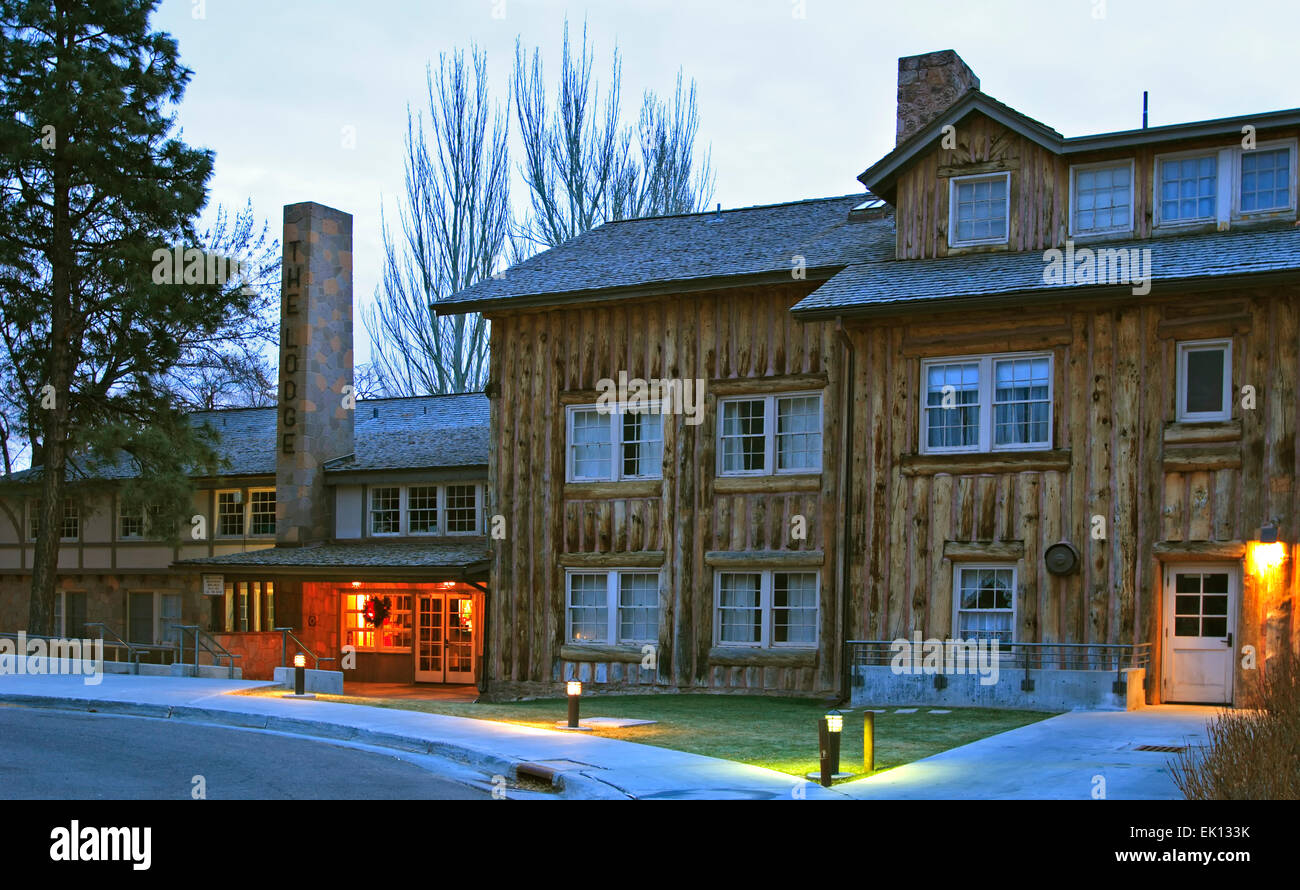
664 250
434 554
898 284
421 432
426 431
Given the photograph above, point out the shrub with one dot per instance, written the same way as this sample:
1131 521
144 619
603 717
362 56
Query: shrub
1254 754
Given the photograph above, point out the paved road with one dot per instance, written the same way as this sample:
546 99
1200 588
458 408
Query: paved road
71 756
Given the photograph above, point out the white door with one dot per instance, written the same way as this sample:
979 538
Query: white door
1199 623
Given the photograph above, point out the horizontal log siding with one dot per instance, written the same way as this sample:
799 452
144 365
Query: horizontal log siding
540 356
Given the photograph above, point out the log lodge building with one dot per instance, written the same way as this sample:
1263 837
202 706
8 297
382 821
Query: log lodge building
1025 388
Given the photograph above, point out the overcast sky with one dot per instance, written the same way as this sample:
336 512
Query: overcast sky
796 98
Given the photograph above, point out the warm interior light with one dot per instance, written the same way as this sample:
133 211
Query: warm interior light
356 583
574 687
1266 557
835 721
300 660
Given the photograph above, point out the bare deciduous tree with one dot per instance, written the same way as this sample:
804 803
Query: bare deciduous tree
455 222
583 168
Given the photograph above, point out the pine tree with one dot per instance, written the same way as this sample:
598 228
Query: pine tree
94 180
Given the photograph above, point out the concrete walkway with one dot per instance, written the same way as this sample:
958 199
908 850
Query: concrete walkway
1059 758
588 767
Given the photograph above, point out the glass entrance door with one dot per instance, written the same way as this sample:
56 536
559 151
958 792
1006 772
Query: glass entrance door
444 649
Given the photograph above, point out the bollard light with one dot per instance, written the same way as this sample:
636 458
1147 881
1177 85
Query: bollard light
869 741
574 688
835 721
299 674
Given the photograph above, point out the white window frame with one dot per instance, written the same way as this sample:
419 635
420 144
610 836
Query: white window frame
613 620
33 516
986 380
159 632
242 501
1075 169
615 417
953 182
769 433
1291 145
1223 196
1183 348
960 567
403 510
248 519
766 586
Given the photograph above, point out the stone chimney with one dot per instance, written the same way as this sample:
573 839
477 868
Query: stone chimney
316 405
928 85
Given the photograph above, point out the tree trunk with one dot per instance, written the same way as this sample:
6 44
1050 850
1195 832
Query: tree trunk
40 609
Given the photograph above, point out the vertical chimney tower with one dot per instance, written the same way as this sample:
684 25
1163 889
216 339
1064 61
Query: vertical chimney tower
316 405
928 85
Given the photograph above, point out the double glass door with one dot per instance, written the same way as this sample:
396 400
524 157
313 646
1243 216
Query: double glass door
444 638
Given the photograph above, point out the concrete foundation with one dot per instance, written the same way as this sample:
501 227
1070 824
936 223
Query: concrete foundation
1052 690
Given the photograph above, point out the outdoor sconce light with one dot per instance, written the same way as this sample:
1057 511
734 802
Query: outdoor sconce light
1268 553
1268 534
299 674
574 688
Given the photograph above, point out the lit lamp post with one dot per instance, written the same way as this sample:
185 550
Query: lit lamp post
300 674
574 688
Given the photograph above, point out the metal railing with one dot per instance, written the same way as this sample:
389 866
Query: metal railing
117 645
205 642
286 634
1099 657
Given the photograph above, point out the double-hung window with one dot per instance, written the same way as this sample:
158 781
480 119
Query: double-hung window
616 606
1101 200
230 514
606 446
761 435
985 602
1204 380
451 509
69 522
766 609
978 209
987 403
261 511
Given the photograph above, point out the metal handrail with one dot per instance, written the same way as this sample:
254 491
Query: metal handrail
286 633
132 658
205 640
1040 656
133 650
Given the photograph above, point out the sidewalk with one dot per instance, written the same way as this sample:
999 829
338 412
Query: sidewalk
588 767
1055 759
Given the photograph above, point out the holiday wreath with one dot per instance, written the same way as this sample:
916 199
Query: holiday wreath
377 609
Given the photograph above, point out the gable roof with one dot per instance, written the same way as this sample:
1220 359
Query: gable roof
419 432
881 176
944 282
692 251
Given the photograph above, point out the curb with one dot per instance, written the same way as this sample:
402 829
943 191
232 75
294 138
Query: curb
571 784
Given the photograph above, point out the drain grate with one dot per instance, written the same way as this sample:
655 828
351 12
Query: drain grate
1163 749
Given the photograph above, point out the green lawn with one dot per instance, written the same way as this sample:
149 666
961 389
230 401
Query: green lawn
777 733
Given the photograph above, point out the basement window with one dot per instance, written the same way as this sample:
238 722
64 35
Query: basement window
1204 380
985 602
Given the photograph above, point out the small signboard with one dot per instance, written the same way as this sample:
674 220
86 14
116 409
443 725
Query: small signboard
214 585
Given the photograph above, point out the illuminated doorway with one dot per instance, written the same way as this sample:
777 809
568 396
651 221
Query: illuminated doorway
444 638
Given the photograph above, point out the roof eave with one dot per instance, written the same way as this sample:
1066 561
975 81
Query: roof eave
655 289
1009 298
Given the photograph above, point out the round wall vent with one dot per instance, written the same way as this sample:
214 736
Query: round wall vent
1061 558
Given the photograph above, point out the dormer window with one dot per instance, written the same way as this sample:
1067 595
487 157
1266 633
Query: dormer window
978 209
1101 200
1188 188
1266 182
